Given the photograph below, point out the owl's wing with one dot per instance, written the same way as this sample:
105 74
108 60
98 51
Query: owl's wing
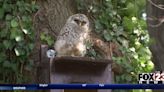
69 31
65 30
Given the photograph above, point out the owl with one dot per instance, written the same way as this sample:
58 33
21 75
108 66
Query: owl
72 38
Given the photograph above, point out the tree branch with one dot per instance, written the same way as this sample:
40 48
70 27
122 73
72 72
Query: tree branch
158 6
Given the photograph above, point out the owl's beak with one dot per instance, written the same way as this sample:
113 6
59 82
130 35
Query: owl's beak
80 24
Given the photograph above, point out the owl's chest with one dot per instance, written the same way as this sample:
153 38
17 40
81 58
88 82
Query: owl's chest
80 37
72 33
76 35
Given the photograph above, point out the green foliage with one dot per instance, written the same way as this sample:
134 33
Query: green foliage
16 38
120 21
47 39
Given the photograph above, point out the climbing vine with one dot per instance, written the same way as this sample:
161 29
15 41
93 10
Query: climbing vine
16 39
122 22
119 21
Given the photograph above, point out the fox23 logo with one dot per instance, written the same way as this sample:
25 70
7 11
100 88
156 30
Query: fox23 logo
157 76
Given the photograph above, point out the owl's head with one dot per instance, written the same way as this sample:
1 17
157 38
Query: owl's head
80 20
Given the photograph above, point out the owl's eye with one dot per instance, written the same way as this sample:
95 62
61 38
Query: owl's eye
77 21
83 23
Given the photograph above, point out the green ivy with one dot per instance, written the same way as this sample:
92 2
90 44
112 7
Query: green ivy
16 38
121 21
47 39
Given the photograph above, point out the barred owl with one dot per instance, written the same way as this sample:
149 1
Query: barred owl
72 37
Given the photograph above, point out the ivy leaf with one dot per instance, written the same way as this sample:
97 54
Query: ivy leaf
7 44
128 78
7 64
150 66
14 23
8 17
1 13
141 3
7 7
3 33
14 33
107 37
31 46
50 40
34 7
143 24
42 36
14 67
98 26
93 52
128 24
118 78
19 51
27 8
131 9
18 38
29 66
25 18
21 9
2 56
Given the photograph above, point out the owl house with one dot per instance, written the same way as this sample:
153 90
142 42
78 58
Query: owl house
70 70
